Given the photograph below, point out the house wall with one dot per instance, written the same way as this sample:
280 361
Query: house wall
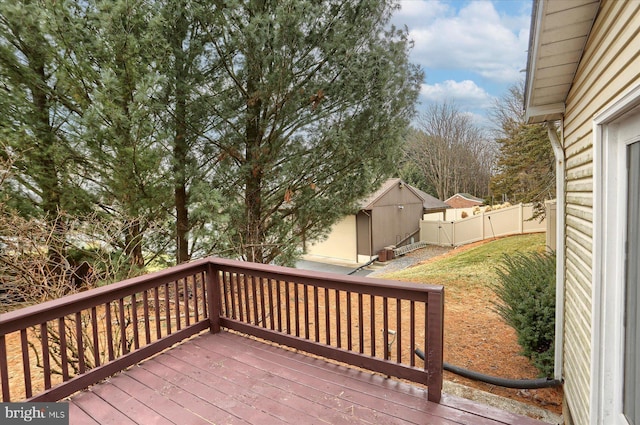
608 68
340 245
458 201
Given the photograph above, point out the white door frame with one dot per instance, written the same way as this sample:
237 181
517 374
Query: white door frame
613 129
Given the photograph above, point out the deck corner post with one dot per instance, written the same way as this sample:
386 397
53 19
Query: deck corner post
435 340
213 297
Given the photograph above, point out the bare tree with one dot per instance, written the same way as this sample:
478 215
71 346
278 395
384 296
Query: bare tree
508 111
451 152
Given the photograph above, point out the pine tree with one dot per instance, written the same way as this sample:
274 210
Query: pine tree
39 110
189 118
526 164
124 135
314 99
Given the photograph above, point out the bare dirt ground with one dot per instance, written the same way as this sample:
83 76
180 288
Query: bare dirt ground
476 338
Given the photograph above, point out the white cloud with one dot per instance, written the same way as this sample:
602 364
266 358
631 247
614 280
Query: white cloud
415 13
475 38
466 94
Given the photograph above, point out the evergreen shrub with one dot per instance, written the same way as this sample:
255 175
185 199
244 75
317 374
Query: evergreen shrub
526 293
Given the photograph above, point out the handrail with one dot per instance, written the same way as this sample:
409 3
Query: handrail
50 310
99 332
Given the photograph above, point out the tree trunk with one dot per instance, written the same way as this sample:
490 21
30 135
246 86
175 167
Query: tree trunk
253 231
180 145
46 173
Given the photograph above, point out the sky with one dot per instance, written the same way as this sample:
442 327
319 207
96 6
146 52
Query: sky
471 51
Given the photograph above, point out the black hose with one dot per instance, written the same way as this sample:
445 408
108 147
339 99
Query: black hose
524 384
373 260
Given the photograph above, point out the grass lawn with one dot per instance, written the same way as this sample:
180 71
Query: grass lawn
469 267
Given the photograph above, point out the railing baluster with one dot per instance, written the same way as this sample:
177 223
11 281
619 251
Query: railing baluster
338 320
412 332
96 341
156 307
233 296
26 366
256 315
204 294
349 323
167 309
122 325
270 302
372 311
287 306
186 296
385 327
46 365
306 311
360 323
79 342
134 320
399 330
176 300
4 370
64 360
279 304
316 313
107 312
145 311
296 304
247 302
196 307
327 320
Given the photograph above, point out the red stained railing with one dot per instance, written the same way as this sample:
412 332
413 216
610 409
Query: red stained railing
67 344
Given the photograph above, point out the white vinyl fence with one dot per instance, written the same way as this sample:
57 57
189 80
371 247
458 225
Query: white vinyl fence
485 225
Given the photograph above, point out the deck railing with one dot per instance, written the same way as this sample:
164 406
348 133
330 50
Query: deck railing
68 344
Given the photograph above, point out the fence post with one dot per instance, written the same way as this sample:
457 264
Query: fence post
435 345
453 233
520 219
213 297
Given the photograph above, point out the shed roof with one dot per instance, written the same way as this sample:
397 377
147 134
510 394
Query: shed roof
429 202
559 32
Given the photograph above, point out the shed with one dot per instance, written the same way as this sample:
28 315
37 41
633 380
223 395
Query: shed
388 217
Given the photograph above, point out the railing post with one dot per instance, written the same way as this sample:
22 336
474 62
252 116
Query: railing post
435 341
213 298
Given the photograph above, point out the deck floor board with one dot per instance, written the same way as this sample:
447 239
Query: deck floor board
227 378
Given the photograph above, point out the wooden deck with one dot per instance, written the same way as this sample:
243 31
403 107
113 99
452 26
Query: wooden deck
226 378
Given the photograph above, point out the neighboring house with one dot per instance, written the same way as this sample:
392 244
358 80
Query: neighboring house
583 76
463 200
389 216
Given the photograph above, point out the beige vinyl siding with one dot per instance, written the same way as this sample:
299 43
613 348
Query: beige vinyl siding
608 68
339 245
